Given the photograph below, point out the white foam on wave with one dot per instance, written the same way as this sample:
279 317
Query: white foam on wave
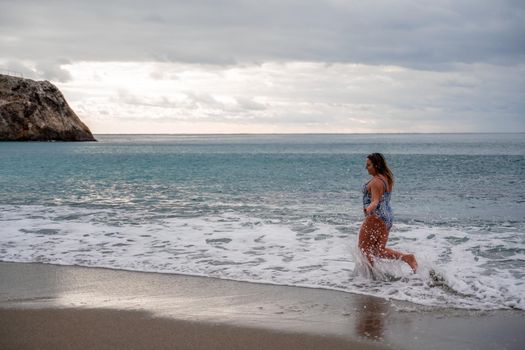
233 246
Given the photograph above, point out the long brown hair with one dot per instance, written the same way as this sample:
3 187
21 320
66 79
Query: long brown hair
379 163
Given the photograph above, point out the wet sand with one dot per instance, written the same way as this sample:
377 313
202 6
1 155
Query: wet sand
63 307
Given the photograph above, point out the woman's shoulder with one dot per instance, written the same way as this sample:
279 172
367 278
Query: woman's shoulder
381 181
375 182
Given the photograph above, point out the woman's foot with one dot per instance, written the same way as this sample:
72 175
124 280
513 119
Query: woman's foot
410 259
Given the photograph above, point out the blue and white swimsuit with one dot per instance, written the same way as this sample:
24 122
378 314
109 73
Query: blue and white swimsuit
383 209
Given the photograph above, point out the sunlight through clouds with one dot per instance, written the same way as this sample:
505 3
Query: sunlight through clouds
123 97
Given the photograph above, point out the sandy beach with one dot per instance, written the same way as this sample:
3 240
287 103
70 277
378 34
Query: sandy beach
63 307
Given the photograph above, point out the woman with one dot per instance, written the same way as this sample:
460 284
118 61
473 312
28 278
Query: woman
378 214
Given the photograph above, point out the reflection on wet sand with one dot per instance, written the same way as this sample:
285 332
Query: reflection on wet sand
370 320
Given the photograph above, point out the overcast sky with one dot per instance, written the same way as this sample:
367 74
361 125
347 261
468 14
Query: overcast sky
276 66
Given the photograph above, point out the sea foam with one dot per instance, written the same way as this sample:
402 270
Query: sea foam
476 270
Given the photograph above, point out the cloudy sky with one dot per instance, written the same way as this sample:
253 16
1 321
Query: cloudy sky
230 66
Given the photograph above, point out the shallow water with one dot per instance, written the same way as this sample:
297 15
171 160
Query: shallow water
281 209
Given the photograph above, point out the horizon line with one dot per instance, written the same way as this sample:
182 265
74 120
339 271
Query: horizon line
325 133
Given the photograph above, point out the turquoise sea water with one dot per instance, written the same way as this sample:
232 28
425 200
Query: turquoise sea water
281 209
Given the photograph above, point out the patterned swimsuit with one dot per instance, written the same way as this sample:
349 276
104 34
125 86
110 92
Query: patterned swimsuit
383 209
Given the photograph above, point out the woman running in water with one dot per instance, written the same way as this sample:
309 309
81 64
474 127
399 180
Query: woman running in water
378 214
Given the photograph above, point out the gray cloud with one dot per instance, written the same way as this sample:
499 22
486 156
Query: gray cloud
53 71
417 34
397 65
250 104
47 70
17 68
315 97
240 106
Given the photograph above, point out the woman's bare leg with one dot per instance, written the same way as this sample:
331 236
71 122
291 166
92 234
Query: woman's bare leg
370 237
389 253
410 259
373 237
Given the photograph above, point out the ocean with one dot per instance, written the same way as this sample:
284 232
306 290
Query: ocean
278 209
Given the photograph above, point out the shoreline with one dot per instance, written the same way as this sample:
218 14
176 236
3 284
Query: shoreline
49 298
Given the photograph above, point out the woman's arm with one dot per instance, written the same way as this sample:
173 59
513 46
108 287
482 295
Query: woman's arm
377 191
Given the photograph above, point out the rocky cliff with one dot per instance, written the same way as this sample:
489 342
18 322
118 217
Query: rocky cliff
37 111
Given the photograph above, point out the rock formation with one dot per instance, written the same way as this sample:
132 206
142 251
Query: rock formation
37 111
